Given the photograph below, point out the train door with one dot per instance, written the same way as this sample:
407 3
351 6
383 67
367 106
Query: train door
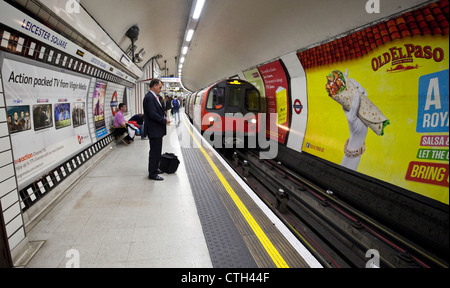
252 100
5 256
191 106
186 107
198 111
235 98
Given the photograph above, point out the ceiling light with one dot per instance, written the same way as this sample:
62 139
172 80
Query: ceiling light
198 9
185 50
190 34
181 66
182 60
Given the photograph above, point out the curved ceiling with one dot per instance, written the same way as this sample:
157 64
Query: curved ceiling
232 35
161 23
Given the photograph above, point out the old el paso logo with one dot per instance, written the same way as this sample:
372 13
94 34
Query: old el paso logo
401 55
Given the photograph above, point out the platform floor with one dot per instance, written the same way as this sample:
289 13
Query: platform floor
117 217
200 217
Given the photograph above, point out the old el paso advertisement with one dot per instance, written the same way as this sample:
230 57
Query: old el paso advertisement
46 117
392 106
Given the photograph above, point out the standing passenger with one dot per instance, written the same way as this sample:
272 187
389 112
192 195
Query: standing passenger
155 127
176 109
167 106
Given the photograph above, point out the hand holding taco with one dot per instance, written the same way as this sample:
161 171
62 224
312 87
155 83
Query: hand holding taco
341 89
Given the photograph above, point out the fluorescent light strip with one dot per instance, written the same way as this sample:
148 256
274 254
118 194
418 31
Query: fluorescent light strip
185 50
189 36
5 39
31 50
31 194
198 9
20 45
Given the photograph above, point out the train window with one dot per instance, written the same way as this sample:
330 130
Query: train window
252 100
216 99
235 97
197 99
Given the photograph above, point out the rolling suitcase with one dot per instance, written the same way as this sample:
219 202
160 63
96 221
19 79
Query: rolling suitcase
169 163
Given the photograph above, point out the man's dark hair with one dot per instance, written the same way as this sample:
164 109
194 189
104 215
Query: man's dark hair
154 82
121 105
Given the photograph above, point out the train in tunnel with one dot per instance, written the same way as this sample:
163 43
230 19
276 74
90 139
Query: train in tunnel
227 108
364 114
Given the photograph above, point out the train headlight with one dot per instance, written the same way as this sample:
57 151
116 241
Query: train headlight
253 121
214 119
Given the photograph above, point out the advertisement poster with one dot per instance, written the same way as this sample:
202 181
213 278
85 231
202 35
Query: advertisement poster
99 109
254 78
386 114
40 107
277 98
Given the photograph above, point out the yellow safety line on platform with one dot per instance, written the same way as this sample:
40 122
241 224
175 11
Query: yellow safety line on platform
271 250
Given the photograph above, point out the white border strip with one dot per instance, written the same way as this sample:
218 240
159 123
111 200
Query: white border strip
298 246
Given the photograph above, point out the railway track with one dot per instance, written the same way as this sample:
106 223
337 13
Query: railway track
338 234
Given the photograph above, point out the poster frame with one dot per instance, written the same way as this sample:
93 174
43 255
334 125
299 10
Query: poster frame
32 62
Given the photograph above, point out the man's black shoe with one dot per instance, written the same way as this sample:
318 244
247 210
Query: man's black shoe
157 178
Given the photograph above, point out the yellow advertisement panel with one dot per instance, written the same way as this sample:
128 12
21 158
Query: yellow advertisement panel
281 95
255 78
386 114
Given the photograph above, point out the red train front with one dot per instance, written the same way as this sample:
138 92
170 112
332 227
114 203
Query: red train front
228 108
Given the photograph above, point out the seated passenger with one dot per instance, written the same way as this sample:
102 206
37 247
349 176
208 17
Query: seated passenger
120 125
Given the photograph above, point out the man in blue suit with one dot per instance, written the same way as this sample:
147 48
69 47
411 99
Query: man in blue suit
155 127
